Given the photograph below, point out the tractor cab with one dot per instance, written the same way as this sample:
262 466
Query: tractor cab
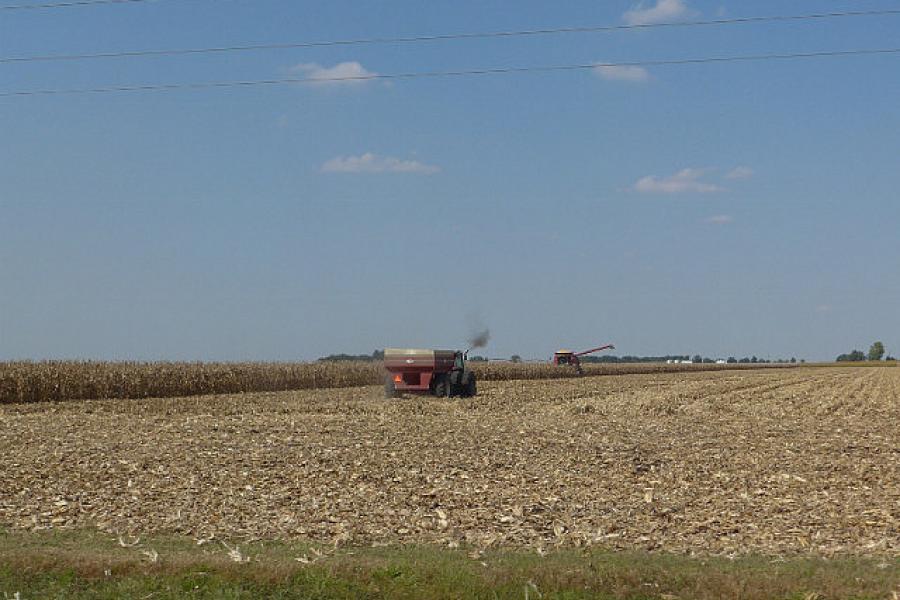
564 357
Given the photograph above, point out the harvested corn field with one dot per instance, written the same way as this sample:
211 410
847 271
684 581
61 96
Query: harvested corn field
732 462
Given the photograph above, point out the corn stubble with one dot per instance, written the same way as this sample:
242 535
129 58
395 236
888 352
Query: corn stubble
58 381
796 461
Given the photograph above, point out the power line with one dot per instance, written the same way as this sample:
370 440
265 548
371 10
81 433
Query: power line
69 4
437 74
439 37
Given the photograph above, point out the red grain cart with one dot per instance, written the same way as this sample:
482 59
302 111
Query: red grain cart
435 372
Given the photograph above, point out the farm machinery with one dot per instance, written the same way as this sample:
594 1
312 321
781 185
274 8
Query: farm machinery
570 358
435 372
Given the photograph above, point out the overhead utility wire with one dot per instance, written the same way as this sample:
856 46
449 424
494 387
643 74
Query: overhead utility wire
442 37
69 4
436 74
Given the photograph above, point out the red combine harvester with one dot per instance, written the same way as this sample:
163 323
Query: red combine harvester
435 372
567 357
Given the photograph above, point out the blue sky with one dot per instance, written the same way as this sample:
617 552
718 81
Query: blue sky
721 209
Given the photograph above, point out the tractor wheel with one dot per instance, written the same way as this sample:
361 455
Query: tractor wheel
442 388
390 390
469 388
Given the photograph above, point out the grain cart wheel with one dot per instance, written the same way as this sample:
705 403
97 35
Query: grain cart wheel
469 389
390 390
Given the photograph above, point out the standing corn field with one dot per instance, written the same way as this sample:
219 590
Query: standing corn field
58 381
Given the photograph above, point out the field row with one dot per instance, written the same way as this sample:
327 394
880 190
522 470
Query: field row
57 381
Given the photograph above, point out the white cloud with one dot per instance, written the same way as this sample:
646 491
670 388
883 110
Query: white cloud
342 74
720 220
663 10
622 73
686 181
739 173
373 163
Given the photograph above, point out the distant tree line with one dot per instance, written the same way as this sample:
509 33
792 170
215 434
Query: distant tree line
376 355
683 357
876 353
753 360
610 358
